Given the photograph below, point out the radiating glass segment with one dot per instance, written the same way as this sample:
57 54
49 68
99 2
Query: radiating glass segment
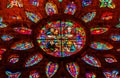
90 75
73 69
89 16
118 25
13 75
61 38
98 30
110 58
111 74
22 45
34 2
2 25
6 37
15 3
23 30
107 3
91 61
86 3
101 45
70 8
33 17
33 60
51 8
51 69
34 74
13 58
115 37
107 16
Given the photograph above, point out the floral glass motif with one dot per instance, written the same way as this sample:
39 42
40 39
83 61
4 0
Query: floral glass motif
70 8
107 16
98 30
115 37
101 45
13 75
34 2
91 61
13 58
33 17
61 39
88 17
23 30
33 60
111 74
34 74
86 3
107 3
110 58
51 8
90 75
73 69
6 37
51 69
2 25
17 3
2 50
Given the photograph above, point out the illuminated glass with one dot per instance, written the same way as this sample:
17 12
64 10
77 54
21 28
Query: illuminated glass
13 75
16 3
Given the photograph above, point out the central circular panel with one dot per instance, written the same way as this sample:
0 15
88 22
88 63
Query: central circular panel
61 38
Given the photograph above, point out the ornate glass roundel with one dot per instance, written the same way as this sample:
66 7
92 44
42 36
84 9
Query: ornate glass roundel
61 38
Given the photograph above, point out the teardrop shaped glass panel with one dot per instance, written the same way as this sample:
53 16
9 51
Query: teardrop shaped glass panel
86 3
70 8
22 45
51 8
6 37
13 58
13 75
101 45
91 61
110 58
2 25
90 75
73 69
118 25
88 17
107 16
99 30
113 74
33 60
23 30
33 17
51 69
115 37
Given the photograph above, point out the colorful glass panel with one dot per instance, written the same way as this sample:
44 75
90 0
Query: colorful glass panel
13 75
51 69
23 30
51 8
61 39
34 2
70 8
107 3
13 58
6 37
107 16
34 74
113 74
99 30
33 17
118 25
33 60
22 45
101 45
110 58
89 16
115 37
73 69
86 3
15 3
91 61
2 50
90 75
2 25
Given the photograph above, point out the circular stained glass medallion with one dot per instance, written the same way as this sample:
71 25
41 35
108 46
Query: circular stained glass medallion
61 38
